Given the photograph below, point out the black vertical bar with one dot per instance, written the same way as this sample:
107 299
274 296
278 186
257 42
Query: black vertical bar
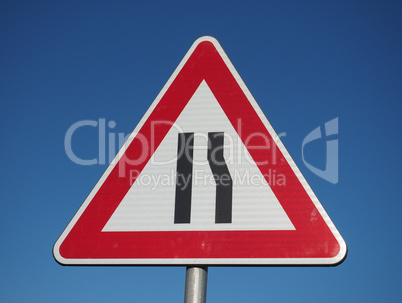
223 180
182 209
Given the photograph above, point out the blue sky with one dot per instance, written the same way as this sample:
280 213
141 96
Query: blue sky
305 63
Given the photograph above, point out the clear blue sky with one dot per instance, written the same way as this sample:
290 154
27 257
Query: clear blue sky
305 62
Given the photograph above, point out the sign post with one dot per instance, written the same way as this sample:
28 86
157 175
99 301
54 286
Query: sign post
203 180
196 284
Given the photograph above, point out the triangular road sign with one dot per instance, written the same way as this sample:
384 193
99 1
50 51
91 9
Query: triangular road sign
203 179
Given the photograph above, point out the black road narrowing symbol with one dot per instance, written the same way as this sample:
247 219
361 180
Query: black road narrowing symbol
223 180
182 208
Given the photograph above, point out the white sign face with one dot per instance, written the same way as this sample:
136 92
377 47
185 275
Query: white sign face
149 205
203 179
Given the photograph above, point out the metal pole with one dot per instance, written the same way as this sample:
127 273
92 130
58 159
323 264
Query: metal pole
196 285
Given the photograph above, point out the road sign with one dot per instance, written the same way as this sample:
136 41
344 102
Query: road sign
203 179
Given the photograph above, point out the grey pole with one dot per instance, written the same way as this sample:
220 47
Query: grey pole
196 285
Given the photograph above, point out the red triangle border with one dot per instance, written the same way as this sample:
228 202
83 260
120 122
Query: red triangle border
315 240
